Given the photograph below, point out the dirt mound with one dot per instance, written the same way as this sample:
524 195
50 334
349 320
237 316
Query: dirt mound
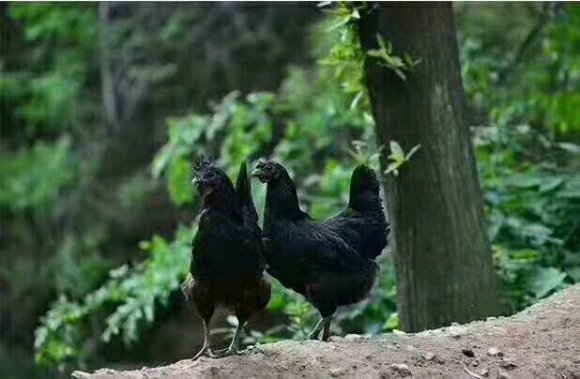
543 341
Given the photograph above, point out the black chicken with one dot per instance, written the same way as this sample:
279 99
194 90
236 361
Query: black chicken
362 224
330 263
227 264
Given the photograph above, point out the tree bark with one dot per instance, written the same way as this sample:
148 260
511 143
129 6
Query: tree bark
443 261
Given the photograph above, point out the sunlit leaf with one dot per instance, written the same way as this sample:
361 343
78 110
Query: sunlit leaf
396 151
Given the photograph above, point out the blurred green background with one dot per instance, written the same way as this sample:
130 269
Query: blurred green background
104 105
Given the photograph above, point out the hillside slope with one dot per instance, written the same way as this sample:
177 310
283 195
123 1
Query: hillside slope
542 341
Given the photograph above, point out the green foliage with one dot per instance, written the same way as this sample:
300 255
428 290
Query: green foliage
531 207
75 25
47 91
518 78
384 56
136 189
529 173
346 55
118 308
179 181
33 178
397 158
249 126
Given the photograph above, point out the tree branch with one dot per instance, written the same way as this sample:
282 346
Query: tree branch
546 15
108 84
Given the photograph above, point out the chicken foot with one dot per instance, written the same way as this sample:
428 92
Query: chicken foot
233 348
206 349
323 323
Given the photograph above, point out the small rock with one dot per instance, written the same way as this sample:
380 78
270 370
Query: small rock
484 372
80 375
456 331
503 375
491 318
468 353
398 332
494 351
455 334
334 372
475 363
354 337
401 369
428 356
508 364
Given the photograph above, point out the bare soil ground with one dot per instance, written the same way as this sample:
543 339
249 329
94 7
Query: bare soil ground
541 342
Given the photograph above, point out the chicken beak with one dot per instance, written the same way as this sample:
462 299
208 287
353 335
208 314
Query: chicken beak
204 190
256 173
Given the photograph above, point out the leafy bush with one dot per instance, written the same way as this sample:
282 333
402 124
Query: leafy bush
532 194
33 178
125 302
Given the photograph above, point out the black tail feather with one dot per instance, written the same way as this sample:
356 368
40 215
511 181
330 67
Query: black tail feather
364 224
244 191
364 187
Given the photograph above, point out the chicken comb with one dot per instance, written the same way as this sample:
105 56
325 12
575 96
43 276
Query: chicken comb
203 162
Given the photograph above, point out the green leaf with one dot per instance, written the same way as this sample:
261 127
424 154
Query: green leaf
413 151
569 147
551 184
393 167
400 74
392 322
356 100
396 151
180 189
545 280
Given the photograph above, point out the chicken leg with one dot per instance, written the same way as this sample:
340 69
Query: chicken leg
323 323
206 349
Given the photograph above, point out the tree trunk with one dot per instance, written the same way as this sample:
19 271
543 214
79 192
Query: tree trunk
443 261
108 90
